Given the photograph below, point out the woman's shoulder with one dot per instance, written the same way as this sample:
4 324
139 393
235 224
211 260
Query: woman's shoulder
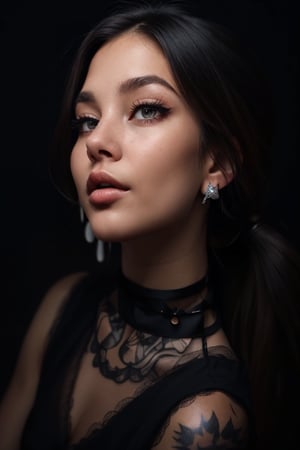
210 420
61 288
48 309
55 296
21 390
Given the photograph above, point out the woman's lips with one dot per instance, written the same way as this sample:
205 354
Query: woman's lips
105 196
103 189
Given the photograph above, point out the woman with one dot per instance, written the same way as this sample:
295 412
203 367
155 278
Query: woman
164 142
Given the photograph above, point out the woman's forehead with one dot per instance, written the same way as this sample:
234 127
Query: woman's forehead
128 56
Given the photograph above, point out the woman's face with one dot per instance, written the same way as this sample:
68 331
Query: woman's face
136 163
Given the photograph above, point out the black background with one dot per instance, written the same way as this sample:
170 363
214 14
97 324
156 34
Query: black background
41 235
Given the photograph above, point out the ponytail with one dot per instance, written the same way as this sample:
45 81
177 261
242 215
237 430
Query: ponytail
261 311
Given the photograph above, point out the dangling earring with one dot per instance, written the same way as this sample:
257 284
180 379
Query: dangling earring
100 254
90 237
211 192
88 233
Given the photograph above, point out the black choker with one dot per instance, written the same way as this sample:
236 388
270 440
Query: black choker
145 309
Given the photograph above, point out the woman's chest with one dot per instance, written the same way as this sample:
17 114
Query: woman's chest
115 369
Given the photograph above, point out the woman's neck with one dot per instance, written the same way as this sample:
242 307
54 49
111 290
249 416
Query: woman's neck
165 262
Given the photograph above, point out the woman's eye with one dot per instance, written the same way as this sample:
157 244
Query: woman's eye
148 112
85 124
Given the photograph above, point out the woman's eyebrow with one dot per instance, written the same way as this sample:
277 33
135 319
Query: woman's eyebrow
128 85
85 97
138 82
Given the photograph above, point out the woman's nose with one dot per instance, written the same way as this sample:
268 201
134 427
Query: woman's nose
104 142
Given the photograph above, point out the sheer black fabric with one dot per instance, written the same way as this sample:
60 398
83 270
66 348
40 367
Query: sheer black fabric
132 387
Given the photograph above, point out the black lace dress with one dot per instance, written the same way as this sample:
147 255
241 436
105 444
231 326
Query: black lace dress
133 380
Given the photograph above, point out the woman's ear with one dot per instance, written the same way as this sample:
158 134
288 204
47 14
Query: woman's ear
216 176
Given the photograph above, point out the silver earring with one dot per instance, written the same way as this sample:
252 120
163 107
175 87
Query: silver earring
90 237
88 233
211 192
100 255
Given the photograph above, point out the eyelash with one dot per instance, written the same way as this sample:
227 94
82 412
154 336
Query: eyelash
78 123
154 106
